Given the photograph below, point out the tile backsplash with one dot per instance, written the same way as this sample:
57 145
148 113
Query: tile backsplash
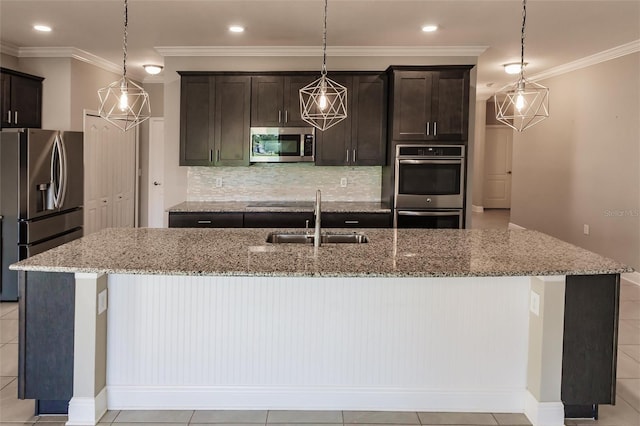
280 182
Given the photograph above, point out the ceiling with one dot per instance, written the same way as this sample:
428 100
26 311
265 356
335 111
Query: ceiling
558 32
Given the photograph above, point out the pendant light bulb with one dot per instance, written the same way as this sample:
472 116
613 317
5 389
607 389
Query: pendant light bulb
322 103
520 102
123 102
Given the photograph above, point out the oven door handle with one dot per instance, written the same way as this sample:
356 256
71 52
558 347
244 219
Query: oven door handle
453 161
429 213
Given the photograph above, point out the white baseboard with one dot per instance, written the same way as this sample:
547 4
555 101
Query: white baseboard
543 413
85 411
514 226
477 209
632 277
295 398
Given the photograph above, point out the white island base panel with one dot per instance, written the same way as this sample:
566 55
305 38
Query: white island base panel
415 344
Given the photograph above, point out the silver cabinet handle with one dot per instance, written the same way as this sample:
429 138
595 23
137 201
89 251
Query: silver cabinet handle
279 116
347 156
286 115
428 125
435 128
15 117
204 222
9 116
354 156
211 156
351 222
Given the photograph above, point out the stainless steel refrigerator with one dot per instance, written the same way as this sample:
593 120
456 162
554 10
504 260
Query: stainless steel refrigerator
41 195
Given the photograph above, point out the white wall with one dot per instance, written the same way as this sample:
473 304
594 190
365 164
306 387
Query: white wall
8 61
581 165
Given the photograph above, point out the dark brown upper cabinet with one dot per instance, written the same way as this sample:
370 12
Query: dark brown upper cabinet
360 139
214 119
21 99
430 103
275 100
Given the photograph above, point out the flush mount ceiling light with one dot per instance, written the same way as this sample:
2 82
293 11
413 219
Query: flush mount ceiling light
514 67
42 28
236 28
524 103
124 103
429 28
152 69
323 103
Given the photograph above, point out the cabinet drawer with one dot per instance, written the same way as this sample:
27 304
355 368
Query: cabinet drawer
205 220
356 220
278 219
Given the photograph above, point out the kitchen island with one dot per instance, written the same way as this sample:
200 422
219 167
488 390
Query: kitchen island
419 320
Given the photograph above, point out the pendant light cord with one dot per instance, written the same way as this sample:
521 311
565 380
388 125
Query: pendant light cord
124 43
524 23
324 41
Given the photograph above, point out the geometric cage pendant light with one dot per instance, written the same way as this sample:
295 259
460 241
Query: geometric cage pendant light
323 103
524 103
124 103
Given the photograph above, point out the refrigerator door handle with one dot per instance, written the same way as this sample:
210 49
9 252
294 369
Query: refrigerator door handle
63 171
56 174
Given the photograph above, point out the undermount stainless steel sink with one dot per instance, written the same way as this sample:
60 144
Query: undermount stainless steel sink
348 238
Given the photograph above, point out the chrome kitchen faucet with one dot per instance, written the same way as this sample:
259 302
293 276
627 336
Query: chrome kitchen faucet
316 236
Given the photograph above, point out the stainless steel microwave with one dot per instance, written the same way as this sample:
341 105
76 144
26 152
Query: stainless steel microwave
282 144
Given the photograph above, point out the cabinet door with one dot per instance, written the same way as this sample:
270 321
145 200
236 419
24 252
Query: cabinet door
5 100
196 120
369 121
450 121
278 219
356 220
292 114
333 146
26 102
412 107
232 112
205 220
266 101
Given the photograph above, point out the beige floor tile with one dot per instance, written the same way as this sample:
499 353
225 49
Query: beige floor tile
13 409
4 381
511 419
629 390
109 416
17 423
8 330
381 417
630 310
457 419
629 291
491 218
7 307
9 360
621 414
628 368
153 416
52 419
254 424
229 416
304 416
628 334
147 424
632 350
11 315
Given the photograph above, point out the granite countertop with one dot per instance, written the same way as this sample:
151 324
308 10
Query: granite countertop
279 206
389 253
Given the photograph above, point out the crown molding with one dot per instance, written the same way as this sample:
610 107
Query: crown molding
9 49
74 53
315 50
606 55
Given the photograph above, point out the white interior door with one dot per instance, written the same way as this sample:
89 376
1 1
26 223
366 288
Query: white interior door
155 212
110 166
497 167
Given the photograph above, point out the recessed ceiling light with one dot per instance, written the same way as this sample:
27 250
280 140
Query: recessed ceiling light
236 28
513 68
42 28
152 69
429 28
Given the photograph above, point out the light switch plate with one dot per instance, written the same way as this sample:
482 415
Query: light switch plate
218 182
534 304
343 182
102 301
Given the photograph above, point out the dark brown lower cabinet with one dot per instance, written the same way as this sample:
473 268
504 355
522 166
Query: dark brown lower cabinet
45 345
278 219
589 351
356 220
205 220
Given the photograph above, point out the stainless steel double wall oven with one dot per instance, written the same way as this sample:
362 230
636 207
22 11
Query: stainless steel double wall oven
429 186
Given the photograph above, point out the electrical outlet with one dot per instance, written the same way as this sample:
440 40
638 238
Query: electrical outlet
102 301
534 303
218 182
343 182
585 229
